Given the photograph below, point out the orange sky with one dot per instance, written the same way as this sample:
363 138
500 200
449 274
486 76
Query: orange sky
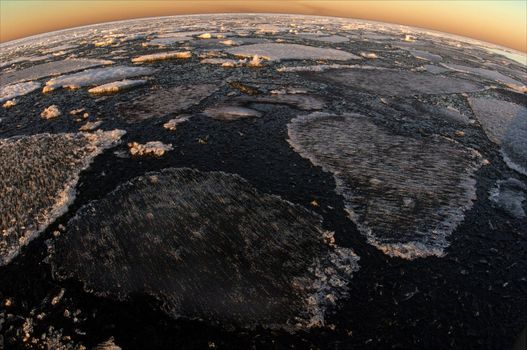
500 22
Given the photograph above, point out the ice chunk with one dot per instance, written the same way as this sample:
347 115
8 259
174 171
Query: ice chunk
208 246
173 123
8 92
51 68
9 104
116 86
424 55
430 68
278 51
224 62
510 195
400 83
90 126
488 74
168 101
49 166
96 76
370 55
228 113
154 148
162 56
390 183
50 112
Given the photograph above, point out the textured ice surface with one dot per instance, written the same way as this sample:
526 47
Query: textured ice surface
8 92
488 74
430 68
299 101
424 55
96 76
50 68
208 246
405 195
39 175
116 86
400 83
228 113
151 148
511 196
324 67
161 56
277 52
505 123
162 102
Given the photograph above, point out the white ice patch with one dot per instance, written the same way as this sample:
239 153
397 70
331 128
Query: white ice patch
95 77
333 39
277 52
116 86
511 196
50 112
173 123
488 74
161 56
15 90
152 148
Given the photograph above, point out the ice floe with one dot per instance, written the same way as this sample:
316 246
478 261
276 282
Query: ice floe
161 56
370 55
324 67
277 52
505 123
424 55
7 92
50 68
173 123
116 86
159 103
272 266
96 76
228 113
151 148
50 112
511 196
489 74
299 101
390 183
49 166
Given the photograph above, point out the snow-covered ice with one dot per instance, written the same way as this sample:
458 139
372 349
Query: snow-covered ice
7 92
50 112
277 52
116 86
160 56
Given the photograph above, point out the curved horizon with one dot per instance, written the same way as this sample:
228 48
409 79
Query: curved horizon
504 24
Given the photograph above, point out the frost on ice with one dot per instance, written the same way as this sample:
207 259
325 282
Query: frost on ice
8 92
277 52
390 183
511 196
116 86
152 148
39 175
96 76
51 68
159 103
228 113
505 123
399 83
272 266
161 56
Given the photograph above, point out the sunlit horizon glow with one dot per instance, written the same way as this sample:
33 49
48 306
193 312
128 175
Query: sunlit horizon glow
499 22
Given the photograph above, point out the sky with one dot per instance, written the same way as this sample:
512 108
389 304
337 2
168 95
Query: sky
502 22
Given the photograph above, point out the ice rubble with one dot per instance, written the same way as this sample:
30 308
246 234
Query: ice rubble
389 182
116 86
50 68
162 56
95 76
277 52
273 266
159 103
229 113
8 92
151 148
505 123
173 123
49 166
511 196
488 74
50 112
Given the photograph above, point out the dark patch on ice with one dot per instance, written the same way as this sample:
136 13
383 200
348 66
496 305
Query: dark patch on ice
208 246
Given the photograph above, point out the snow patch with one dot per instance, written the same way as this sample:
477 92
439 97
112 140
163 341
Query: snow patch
116 86
161 56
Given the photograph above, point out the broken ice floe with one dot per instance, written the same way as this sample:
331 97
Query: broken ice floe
95 76
489 74
173 123
390 183
228 113
505 123
161 56
151 148
39 175
50 112
399 83
8 92
277 52
51 68
167 101
116 86
187 239
511 196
